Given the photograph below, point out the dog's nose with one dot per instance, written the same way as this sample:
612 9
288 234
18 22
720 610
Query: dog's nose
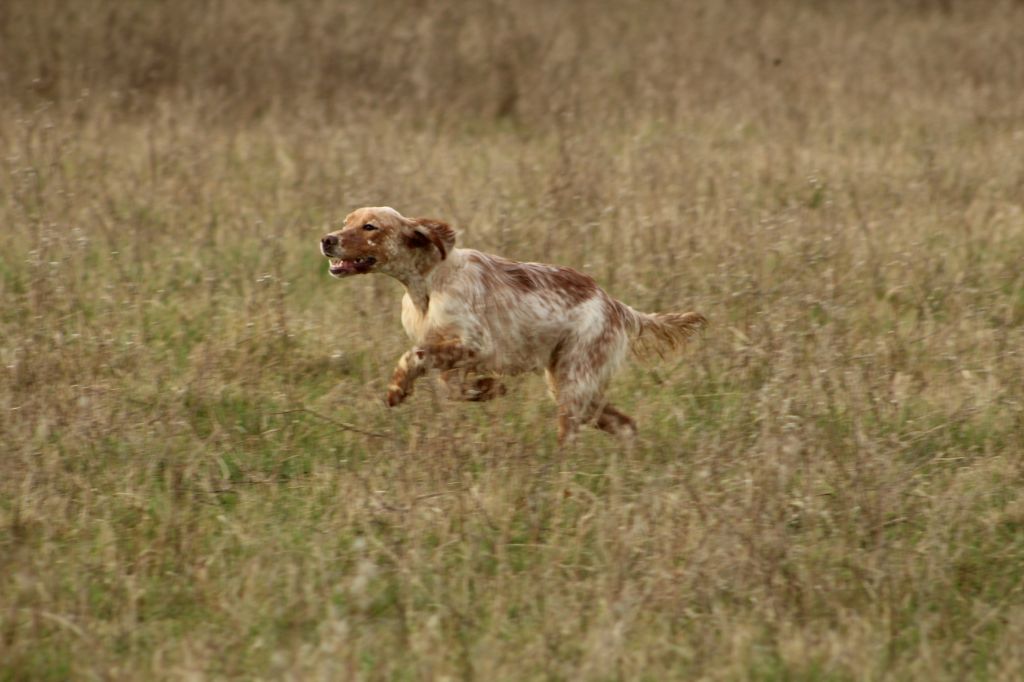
329 241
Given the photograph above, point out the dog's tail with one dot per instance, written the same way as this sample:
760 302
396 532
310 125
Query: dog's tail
655 333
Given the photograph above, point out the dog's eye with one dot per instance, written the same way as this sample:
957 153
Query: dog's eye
368 227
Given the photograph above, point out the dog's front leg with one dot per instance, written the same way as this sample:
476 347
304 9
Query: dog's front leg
416 362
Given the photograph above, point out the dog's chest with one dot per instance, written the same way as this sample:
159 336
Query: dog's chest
417 324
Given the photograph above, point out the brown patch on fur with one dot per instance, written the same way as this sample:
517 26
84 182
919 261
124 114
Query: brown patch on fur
570 284
354 244
573 284
446 355
598 350
439 233
419 240
516 275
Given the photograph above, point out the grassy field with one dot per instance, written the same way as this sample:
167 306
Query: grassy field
198 476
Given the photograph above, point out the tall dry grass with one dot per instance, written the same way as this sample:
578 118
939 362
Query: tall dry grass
198 476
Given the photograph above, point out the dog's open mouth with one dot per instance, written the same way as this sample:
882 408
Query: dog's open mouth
340 267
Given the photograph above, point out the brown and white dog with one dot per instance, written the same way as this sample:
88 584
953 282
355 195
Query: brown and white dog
475 316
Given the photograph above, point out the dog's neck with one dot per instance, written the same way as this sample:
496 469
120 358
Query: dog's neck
418 289
419 284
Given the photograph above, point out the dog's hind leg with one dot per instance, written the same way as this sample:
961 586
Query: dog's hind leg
577 392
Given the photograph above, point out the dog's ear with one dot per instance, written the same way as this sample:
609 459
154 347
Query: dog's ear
426 232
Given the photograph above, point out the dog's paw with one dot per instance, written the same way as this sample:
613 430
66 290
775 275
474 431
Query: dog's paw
487 388
396 396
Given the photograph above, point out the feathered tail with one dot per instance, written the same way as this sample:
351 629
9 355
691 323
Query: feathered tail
657 332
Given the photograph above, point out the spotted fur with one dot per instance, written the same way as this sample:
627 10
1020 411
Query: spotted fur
474 316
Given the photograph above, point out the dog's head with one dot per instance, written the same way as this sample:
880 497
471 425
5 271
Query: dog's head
380 239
